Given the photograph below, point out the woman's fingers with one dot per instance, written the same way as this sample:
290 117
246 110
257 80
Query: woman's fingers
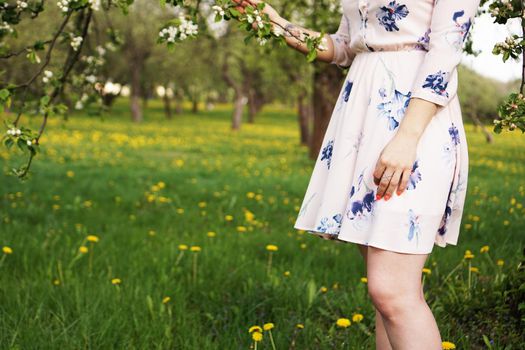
404 181
396 178
385 181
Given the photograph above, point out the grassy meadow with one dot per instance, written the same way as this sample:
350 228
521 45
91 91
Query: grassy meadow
178 234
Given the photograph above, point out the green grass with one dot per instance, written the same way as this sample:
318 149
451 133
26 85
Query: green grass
52 296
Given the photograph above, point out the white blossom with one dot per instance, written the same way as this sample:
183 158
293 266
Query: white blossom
29 143
94 4
75 42
218 10
63 5
47 76
21 4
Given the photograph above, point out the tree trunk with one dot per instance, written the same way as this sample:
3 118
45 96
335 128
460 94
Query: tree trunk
195 106
167 106
136 110
237 111
304 113
327 85
475 119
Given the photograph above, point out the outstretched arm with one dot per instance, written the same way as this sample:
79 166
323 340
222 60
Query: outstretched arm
335 48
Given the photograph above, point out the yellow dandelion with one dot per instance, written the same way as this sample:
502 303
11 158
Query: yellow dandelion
299 325
286 273
272 247
468 254
364 279
183 247
56 206
446 345
268 326
241 228
475 218
70 173
250 194
426 271
257 336
335 285
343 322
180 211
474 269
303 245
468 226
92 238
195 248
116 281
484 249
357 317
152 233
202 204
83 249
255 328
161 184
211 234
155 188
248 215
165 300
7 250
56 282
506 222
500 262
324 289
228 217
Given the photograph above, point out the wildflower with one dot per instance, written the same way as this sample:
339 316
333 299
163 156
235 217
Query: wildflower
357 317
474 269
56 281
183 247
116 281
195 248
248 215
272 247
47 76
165 300
180 210
202 204
484 249
468 254
500 262
75 42
324 289
286 273
446 345
70 173
211 234
257 336
7 250
268 326
83 249
255 328
426 270
343 322
364 279
241 228
250 194
299 325
228 217
92 238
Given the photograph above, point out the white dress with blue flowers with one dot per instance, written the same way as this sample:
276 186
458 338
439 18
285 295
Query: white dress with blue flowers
395 50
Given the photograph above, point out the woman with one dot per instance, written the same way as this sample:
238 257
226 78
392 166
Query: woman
396 127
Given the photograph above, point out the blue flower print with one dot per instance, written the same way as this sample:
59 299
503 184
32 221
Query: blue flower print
414 228
448 210
330 225
437 83
388 15
464 27
424 41
348 89
394 110
454 134
326 153
415 176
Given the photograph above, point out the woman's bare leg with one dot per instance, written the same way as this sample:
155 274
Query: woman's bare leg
394 285
382 342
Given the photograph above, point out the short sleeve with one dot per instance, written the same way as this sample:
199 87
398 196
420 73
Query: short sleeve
437 77
343 56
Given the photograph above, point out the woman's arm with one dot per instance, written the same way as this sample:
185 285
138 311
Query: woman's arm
334 47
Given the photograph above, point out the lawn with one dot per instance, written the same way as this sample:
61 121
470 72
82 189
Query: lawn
159 235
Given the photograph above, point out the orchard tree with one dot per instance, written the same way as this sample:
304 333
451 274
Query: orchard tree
75 72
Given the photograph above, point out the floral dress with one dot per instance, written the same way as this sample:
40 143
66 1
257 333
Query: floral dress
395 51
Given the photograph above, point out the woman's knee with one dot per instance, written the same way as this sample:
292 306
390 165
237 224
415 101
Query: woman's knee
389 299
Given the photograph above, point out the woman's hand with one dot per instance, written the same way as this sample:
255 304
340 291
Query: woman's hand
394 166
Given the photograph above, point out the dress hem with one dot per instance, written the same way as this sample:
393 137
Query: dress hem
373 244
